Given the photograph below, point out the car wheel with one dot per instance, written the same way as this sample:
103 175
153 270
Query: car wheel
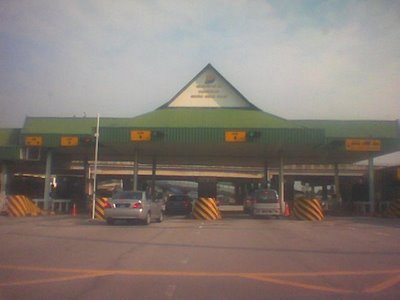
161 217
147 220
110 221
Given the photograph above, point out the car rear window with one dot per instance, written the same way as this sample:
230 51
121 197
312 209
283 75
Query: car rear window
178 198
128 195
267 196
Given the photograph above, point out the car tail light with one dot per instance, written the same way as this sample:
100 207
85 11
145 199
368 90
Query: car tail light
137 205
107 204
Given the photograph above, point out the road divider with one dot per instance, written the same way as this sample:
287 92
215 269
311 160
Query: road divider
206 209
99 208
308 209
22 206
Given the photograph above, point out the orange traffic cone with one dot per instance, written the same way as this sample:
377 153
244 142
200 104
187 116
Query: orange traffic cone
74 210
287 210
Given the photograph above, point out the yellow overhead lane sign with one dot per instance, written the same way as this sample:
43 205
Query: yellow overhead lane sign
363 145
140 135
235 136
69 141
33 141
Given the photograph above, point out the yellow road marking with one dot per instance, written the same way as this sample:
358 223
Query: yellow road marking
384 285
58 279
275 278
300 285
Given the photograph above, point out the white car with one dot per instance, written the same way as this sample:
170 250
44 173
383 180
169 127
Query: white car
265 202
128 205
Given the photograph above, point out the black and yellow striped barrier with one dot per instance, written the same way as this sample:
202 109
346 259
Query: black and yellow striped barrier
308 209
21 206
393 210
206 209
99 208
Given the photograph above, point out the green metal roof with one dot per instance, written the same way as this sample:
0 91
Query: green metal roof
46 125
172 117
354 128
211 118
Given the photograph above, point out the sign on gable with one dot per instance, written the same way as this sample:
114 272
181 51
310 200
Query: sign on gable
209 89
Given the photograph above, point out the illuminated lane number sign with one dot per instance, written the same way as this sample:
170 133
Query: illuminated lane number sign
363 145
33 141
235 136
140 135
69 141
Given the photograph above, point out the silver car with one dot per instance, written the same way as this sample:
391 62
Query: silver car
128 205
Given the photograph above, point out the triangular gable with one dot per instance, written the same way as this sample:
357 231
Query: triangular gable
209 89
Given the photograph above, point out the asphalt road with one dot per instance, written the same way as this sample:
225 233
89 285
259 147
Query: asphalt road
63 257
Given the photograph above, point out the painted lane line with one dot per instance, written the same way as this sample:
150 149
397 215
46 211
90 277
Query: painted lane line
211 274
275 278
58 279
169 293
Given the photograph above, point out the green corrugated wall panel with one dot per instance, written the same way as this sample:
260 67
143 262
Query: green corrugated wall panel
9 153
216 135
9 136
292 136
193 135
116 135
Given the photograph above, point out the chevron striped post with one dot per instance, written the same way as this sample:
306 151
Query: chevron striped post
99 208
206 209
21 206
308 209
393 210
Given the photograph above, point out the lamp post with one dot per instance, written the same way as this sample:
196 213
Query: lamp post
96 154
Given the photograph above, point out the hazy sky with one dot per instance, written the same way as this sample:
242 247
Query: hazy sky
295 59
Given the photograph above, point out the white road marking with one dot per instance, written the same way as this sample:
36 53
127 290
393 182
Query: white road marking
169 293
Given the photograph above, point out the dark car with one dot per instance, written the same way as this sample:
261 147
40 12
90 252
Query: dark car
178 204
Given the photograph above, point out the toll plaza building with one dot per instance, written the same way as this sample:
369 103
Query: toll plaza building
206 135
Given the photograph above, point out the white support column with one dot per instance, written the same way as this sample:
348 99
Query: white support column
46 196
371 184
136 172
96 158
281 185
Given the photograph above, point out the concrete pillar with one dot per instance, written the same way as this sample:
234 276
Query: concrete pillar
267 174
86 174
153 178
207 187
371 184
337 184
281 185
3 179
46 196
136 172
3 189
